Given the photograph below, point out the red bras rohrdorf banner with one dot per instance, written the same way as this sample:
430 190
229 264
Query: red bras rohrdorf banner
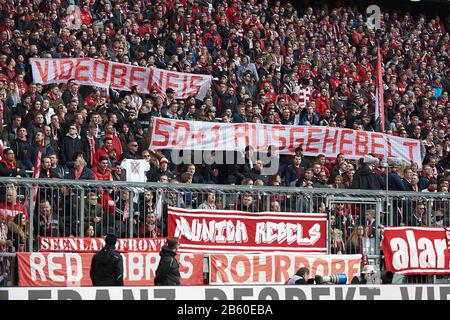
238 231
354 144
277 268
119 76
417 250
78 244
51 269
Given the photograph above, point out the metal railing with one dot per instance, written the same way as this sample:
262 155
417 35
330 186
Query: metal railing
93 208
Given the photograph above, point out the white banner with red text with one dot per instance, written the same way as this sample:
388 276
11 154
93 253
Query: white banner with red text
78 244
267 293
277 268
238 231
72 269
119 76
417 250
354 144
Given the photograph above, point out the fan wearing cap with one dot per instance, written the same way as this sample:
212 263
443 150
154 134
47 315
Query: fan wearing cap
366 274
170 94
107 264
154 174
211 114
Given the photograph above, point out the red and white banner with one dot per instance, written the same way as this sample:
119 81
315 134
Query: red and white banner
354 144
78 244
417 250
379 96
227 230
119 76
51 269
277 268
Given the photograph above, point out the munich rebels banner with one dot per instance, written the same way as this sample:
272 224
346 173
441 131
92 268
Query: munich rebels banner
78 244
227 230
417 250
119 76
277 268
197 135
51 269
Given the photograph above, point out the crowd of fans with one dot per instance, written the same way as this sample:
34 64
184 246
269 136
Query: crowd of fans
271 63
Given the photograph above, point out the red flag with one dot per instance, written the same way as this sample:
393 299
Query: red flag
37 166
379 99
37 169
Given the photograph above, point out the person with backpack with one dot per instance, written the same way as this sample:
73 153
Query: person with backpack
168 273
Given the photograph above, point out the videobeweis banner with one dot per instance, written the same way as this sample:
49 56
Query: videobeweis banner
354 144
237 231
417 250
119 76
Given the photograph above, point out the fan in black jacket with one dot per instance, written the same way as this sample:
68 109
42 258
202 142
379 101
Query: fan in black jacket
365 178
168 273
107 265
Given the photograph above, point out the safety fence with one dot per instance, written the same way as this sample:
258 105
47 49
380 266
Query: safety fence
67 208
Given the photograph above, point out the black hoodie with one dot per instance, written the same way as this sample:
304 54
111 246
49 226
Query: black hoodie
168 273
365 178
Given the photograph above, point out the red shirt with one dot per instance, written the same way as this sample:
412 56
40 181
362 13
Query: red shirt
105 176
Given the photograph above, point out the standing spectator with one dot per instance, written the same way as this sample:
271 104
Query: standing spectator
371 227
18 232
294 171
107 264
9 167
149 229
79 170
168 273
71 143
337 244
355 243
47 223
365 177
209 203
33 150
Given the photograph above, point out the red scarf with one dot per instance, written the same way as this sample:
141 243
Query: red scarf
360 245
91 141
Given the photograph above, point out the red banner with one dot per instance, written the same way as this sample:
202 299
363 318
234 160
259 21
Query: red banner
225 231
119 76
72 269
417 250
379 97
277 268
77 244
354 144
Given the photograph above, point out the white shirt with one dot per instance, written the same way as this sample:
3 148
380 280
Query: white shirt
135 169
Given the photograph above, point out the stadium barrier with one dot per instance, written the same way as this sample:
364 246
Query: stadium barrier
273 292
74 206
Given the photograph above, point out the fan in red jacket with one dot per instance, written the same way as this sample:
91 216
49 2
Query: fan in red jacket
11 207
322 102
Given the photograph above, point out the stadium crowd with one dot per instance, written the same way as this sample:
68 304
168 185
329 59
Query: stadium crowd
271 62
